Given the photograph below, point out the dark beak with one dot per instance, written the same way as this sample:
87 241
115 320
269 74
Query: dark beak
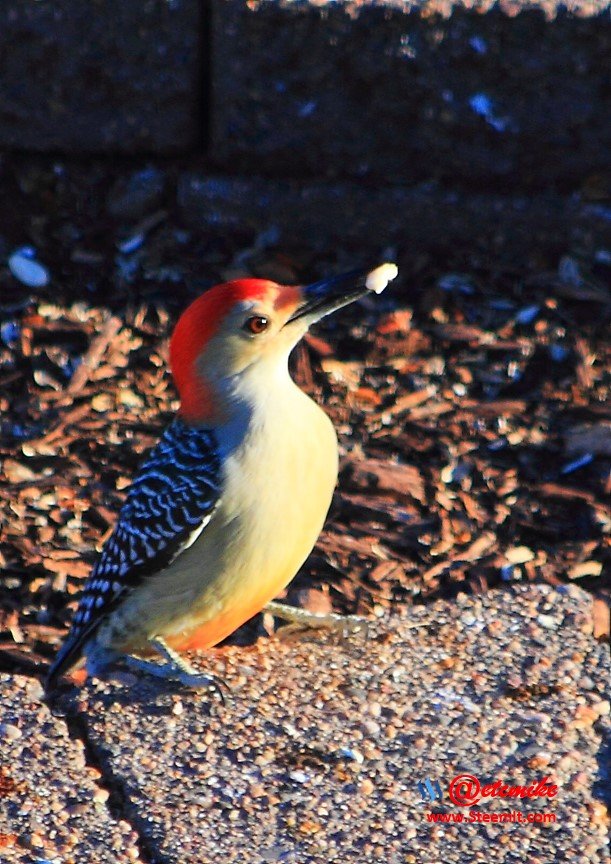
322 298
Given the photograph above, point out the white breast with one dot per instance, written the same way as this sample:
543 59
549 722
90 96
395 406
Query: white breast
277 488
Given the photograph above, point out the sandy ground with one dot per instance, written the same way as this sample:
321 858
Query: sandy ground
319 750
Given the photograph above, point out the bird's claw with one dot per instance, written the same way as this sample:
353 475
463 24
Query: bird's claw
201 681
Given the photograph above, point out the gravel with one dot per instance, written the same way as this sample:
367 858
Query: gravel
317 755
49 796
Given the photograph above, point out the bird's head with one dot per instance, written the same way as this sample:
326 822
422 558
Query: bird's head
247 328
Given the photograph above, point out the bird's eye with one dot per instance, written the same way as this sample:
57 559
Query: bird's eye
256 324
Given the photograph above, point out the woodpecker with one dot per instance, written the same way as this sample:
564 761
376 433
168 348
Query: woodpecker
228 505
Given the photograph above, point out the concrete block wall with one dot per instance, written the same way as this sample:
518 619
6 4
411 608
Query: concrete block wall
511 95
102 76
503 95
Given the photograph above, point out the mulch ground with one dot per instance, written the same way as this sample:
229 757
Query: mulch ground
471 404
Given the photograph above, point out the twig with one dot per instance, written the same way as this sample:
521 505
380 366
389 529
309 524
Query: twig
94 355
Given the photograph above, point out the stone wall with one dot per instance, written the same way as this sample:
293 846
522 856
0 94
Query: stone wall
508 96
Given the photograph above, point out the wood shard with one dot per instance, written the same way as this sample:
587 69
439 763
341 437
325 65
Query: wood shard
93 357
498 408
589 438
385 476
600 618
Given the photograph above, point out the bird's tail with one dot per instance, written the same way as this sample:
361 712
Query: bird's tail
67 657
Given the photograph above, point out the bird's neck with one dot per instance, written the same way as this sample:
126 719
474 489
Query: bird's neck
256 397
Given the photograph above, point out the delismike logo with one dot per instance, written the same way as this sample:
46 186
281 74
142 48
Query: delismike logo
430 790
465 790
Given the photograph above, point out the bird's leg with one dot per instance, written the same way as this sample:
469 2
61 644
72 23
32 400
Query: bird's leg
176 669
329 621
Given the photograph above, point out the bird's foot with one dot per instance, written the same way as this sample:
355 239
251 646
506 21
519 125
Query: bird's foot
179 674
178 669
175 669
344 624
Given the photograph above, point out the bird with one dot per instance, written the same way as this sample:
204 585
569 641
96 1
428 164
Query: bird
227 506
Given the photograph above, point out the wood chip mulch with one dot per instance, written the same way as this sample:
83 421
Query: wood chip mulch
473 419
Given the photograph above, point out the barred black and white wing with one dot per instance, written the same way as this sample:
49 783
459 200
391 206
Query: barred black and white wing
168 505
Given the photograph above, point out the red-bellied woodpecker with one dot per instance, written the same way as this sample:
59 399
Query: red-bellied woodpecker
228 505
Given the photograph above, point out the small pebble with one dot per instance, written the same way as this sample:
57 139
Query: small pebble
366 786
26 269
101 796
351 753
10 732
300 776
375 709
519 555
35 690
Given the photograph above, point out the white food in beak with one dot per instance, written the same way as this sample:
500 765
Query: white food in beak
379 278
